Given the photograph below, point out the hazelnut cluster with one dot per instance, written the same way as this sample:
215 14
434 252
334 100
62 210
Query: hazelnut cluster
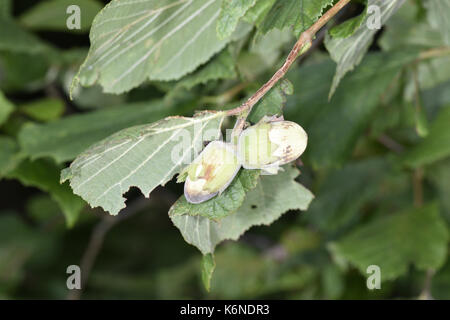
266 146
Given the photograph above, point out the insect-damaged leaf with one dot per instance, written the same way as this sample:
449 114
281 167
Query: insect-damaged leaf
66 138
143 156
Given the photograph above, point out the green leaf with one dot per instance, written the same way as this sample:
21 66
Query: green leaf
66 138
334 126
298 239
264 52
421 122
6 108
439 176
221 67
440 283
257 13
92 97
253 273
137 40
8 155
222 205
339 199
407 28
15 39
273 102
232 11
140 156
297 14
438 17
52 15
5 9
23 71
273 196
417 236
47 109
20 246
435 146
45 176
347 28
430 73
348 52
208 266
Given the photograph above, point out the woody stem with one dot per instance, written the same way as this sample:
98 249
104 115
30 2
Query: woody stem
301 46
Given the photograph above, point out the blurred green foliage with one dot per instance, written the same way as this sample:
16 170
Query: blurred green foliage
378 162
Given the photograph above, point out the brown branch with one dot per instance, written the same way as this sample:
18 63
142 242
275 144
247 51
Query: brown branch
302 45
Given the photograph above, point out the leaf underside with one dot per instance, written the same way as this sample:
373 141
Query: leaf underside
134 40
140 156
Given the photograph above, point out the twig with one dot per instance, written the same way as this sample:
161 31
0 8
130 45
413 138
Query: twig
270 249
418 202
227 95
96 242
301 46
390 143
318 40
433 53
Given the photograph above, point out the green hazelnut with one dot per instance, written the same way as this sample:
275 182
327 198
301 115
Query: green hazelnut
211 172
270 144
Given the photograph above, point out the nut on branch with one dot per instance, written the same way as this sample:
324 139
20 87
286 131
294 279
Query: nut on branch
270 144
211 172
